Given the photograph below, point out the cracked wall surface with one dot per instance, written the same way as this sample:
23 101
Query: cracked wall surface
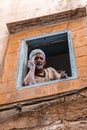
66 113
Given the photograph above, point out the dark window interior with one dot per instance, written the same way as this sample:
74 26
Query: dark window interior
56 49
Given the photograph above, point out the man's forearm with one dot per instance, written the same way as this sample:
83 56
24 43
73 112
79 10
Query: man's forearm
29 79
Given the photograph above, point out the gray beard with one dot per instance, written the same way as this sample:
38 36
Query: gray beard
38 67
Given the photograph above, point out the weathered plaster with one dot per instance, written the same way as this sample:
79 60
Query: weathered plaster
65 113
12 11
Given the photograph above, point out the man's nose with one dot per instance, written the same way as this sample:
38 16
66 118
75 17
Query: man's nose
39 59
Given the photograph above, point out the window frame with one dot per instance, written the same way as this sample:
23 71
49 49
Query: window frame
24 57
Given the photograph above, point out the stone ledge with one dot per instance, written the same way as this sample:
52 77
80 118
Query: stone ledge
46 20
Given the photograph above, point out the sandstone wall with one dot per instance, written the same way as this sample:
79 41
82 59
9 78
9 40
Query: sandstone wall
66 113
8 92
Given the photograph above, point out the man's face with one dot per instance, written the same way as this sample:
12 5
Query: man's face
39 61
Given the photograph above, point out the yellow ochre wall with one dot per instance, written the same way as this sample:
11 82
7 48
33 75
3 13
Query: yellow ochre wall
8 92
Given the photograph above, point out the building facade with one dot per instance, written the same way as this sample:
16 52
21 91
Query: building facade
52 105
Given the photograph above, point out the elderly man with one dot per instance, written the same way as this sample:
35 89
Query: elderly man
37 73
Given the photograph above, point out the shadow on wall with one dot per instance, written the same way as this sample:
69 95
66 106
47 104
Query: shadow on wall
3 50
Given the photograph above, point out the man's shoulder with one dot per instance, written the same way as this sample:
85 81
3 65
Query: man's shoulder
50 69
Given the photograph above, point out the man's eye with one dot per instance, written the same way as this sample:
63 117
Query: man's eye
38 58
41 58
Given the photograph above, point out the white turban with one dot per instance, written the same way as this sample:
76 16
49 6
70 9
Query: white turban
36 51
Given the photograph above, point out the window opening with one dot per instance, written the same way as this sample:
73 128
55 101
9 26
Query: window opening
58 49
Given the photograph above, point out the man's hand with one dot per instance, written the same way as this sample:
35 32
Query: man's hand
29 79
31 63
63 74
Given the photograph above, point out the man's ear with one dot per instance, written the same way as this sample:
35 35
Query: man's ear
45 62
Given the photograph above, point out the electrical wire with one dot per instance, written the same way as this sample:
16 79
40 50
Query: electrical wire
38 101
19 106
